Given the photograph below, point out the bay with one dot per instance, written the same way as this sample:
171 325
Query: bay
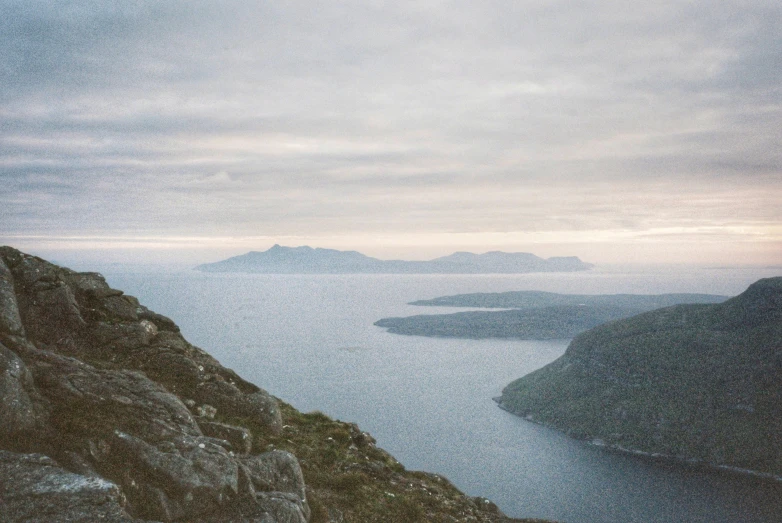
309 340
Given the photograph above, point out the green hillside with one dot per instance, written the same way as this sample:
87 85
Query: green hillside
697 382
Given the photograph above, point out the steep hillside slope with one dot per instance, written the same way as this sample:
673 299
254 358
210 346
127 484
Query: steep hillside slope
697 382
109 414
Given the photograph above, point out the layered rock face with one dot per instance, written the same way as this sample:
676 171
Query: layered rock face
696 382
107 413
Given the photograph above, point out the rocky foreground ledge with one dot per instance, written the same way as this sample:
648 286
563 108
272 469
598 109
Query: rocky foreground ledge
109 414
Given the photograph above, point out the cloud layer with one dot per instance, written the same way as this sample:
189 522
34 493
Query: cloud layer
321 119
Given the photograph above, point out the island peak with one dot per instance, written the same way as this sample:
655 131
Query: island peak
305 259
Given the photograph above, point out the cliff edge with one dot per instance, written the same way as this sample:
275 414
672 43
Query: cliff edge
109 414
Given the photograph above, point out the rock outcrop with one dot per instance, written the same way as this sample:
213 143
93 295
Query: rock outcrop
35 488
107 410
109 414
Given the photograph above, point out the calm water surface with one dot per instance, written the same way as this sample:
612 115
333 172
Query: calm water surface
309 339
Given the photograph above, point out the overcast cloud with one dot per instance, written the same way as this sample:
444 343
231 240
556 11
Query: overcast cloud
494 124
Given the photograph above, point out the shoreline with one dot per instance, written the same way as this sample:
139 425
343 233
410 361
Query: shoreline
654 456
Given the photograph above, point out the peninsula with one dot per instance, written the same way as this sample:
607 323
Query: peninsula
535 315
694 382
306 260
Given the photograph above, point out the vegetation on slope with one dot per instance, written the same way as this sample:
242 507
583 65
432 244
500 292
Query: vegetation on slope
105 402
350 479
697 382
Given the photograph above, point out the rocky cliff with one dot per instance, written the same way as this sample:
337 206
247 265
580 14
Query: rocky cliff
695 382
109 414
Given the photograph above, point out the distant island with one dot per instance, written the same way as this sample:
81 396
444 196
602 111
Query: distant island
306 260
530 299
695 382
535 315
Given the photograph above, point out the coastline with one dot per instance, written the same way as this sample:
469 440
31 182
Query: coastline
651 456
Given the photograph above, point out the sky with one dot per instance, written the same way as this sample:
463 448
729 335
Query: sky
189 130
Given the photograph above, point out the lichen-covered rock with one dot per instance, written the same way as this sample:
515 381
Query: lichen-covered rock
277 482
271 507
276 471
239 438
162 322
229 400
88 400
107 389
51 313
95 380
283 507
10 320
34 488
79 315
146 438
179 370
21 419
177 479
90 285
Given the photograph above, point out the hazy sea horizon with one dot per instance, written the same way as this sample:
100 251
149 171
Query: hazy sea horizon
309 340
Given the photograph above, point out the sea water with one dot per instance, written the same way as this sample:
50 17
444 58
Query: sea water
310 340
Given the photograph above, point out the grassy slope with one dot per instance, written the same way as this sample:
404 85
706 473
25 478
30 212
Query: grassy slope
348 476
692 381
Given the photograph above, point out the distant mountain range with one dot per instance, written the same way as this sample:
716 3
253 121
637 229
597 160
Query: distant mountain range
698 382
306 260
